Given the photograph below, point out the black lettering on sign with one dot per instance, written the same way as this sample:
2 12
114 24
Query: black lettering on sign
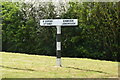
47 23
48 20
68 20
68 23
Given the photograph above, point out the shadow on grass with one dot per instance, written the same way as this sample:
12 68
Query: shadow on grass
16 68
87 70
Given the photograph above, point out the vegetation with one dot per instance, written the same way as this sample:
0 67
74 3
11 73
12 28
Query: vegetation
36 66
96 36
97 33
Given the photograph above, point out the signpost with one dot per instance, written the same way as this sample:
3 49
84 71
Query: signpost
58 23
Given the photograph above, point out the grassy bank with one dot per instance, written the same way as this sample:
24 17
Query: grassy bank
16 65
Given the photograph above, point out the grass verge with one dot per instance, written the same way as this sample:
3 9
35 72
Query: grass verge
16 65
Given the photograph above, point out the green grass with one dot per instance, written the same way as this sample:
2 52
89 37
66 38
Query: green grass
16 65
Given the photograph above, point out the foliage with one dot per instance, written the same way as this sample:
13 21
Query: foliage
11 23
22 34
96 36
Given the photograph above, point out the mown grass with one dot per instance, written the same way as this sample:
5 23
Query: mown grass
16 65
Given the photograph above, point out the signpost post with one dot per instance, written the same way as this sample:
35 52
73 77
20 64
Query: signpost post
58 23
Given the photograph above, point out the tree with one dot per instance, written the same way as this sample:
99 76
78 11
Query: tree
96 36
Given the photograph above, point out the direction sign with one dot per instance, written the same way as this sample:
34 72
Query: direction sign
59 22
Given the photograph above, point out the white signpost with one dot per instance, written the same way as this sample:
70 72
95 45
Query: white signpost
58 23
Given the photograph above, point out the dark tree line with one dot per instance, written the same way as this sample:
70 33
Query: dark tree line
96 36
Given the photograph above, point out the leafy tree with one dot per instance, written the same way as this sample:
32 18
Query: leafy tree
21 29
96 36
11 23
